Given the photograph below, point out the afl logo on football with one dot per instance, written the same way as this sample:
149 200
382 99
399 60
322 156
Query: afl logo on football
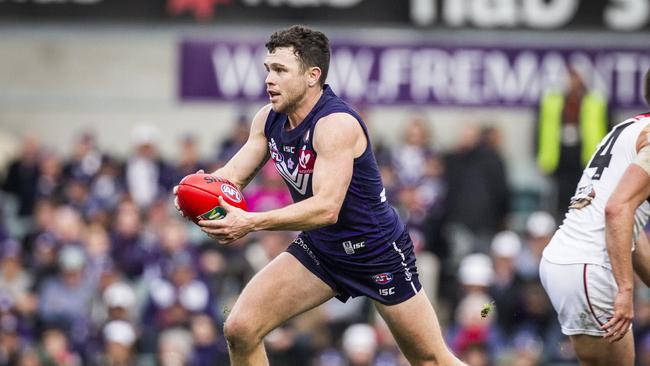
382 278
231 192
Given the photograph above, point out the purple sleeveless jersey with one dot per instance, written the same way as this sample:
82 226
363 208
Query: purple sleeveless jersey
366 221
368 252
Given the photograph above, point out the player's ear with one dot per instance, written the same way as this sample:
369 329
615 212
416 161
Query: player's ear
314 76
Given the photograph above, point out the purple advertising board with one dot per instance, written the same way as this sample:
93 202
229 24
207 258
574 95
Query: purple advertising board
439 74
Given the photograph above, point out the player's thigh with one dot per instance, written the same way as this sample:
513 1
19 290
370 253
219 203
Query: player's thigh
596 351
281 290
414 325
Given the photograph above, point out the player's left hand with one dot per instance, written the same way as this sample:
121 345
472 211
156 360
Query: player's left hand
235 225
620 323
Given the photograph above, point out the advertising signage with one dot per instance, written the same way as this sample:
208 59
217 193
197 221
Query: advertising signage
425 74
613 15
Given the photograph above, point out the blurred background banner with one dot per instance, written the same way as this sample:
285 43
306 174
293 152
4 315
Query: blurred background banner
432 73
615 15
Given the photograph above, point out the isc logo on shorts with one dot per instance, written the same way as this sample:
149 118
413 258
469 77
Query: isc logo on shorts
387 291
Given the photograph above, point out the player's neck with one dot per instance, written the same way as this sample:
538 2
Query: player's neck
304 107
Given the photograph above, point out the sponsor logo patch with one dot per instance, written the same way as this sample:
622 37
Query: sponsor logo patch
216 213
352 248
383 278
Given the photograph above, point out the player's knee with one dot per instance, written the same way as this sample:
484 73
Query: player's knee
240 334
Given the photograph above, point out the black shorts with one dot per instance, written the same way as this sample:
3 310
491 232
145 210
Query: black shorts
390 277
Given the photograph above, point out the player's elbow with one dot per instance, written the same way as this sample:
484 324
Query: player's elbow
613 210
331 213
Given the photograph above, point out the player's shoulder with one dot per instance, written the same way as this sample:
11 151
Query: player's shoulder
338 126
338 121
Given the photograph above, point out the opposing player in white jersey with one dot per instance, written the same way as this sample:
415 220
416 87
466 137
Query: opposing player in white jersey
588 267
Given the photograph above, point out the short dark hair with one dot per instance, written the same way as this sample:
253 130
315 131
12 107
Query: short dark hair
646 87
310 46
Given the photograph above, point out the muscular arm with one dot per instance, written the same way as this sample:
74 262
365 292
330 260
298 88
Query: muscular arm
248 161
336 138
631 191
633 188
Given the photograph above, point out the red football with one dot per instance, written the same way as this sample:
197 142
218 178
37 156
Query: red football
198 196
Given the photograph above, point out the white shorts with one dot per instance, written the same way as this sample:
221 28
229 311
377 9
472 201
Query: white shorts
582 295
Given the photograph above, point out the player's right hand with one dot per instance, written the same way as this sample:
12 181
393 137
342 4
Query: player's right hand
175 192
620 323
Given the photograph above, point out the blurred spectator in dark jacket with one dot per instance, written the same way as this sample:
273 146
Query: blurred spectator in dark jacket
507 285
477 195
22 175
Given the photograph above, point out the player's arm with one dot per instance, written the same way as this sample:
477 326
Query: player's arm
248 161
633 188
336 138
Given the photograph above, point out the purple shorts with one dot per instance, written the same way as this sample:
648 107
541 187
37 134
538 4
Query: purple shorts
389 277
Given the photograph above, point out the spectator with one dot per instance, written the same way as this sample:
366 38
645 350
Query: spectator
86 160
477 197
119 338
507 285
147 175
128 247
570 126
540 227
22 175
238 136
65 299
175 347
209 345
410 156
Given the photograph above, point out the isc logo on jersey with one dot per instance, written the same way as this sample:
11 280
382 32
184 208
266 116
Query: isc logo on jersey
231 192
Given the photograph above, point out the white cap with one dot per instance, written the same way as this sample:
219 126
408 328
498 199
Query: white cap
119 295
359 337
476 269
119 331
506 244
540 223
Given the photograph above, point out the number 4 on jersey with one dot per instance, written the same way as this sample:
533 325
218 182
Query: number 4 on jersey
604 155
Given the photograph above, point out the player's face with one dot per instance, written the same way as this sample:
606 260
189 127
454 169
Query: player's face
286 81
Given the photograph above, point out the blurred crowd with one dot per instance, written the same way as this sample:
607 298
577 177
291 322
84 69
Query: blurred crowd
97 268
